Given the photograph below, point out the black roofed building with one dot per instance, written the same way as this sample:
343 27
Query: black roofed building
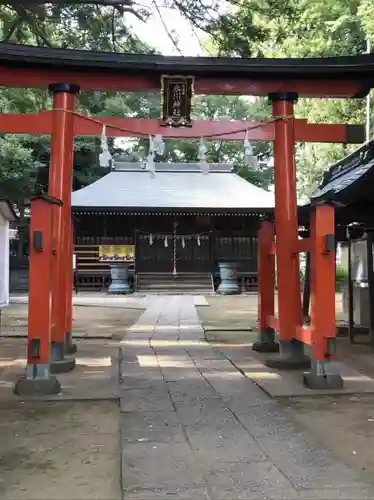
348 184
175 222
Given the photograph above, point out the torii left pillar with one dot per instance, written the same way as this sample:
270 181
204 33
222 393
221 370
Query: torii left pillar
60 186
38 379
266 276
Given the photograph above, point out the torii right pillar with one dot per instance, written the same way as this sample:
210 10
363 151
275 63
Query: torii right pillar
324 373
293 335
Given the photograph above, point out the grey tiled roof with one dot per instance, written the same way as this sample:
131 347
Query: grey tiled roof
344 181
173 186
345 173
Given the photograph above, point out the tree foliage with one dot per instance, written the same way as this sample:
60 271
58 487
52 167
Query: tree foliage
56 25
263 28
91 24
303 28
97 29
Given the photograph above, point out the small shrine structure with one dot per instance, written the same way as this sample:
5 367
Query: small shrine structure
348 186
180 222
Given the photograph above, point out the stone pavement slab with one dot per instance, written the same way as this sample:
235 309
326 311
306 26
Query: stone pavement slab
166 466
195 427
148 400
154 427
161 494
214 444
334 494
240 479
290 383
200 300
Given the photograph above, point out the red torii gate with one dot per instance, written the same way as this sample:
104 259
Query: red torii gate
51 230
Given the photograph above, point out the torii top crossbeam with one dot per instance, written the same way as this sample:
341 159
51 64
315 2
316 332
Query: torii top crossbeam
26 66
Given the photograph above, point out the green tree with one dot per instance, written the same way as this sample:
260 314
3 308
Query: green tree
303 28
216 108
25 159
56 25
82 25
92 24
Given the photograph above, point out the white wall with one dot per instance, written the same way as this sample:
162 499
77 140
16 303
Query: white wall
4 262
359 260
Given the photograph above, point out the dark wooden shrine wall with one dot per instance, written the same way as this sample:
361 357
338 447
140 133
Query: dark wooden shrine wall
221 238
242 249
100 228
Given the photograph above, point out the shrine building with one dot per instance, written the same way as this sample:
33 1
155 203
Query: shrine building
178 223
348 186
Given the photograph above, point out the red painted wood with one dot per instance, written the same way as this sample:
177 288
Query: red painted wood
273 323
320 132
135 127
304 335
257 87
39 124
266 274
60 186
69 275
286 226
40 277
322 283
112 81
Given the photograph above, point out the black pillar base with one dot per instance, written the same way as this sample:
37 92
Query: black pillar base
259 346
324 375
266 342
284 363
291 357
323 382
60 364
70 347
63 365
37 387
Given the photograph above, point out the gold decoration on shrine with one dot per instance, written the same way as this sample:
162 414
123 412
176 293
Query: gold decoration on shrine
116 253
176 100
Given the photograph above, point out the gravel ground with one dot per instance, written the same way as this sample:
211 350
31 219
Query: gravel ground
89 321
68 450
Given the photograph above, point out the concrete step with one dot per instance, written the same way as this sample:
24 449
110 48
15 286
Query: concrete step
168 287
163 289
177 292
180 283
178 277
187 286
177 283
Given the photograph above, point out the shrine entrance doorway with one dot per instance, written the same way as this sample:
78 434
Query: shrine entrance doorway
154 253
193 254
173 253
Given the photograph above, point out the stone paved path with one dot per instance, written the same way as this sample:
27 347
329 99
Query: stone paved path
193 427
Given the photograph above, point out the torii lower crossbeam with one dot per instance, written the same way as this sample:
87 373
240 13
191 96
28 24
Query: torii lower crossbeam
42 124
